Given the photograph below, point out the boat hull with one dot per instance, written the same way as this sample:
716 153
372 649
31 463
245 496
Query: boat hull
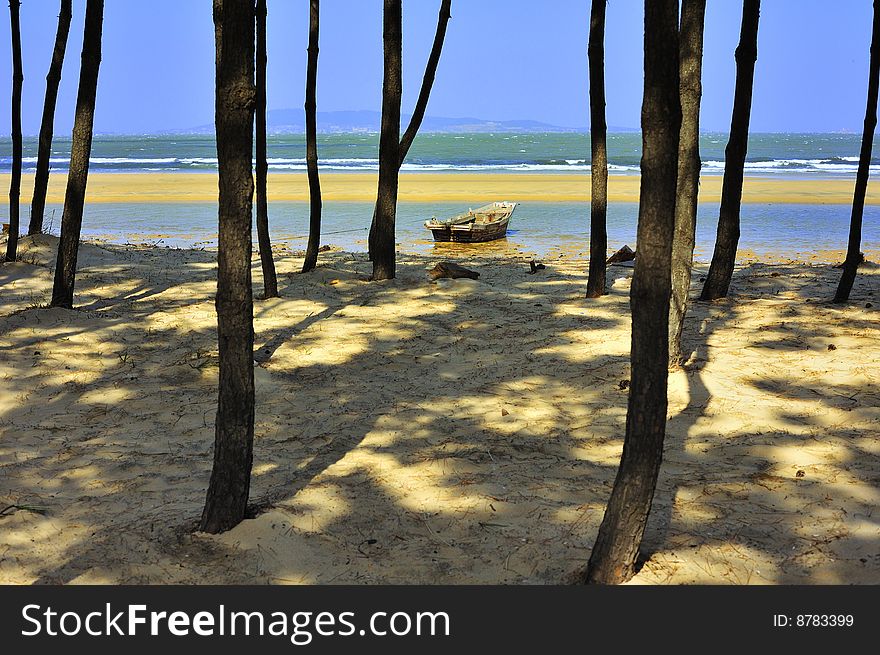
476 234
475 226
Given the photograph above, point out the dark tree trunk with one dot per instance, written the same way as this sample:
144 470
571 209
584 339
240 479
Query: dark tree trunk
598 153
15 184
270 281
421 103
44 152
620 534
389 144
693 13
724 257
854 255
235 97
80 150
311 259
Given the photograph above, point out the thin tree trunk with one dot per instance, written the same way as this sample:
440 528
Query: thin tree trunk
44 152
415 122
427 80
724 257
80 150
384 264
854 256
15 184
620 534
270 281
235 98
693 14
598 153
311 259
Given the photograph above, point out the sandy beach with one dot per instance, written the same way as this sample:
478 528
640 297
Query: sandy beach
428 187
429 432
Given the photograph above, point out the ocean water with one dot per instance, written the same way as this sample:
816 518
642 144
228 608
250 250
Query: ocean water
775 155
539 228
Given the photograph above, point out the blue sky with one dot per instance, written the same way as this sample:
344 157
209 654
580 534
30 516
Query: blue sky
503 60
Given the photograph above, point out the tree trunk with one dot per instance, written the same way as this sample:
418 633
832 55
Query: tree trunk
389 144
854 255
421 103
724 257
620 534
598 153
270 281
311 259
80 150
693 13
15 184
44 152
235 97
427 80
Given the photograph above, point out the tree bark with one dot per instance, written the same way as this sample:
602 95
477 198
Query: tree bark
235 98
270 281
854 255
415 121
727 239
311 259
693 14
15 184
80 150
44 152
620 534
384 264
598 153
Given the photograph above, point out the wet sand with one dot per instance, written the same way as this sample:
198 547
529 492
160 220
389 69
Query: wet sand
428 187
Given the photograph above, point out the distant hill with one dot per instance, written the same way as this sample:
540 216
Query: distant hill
292 121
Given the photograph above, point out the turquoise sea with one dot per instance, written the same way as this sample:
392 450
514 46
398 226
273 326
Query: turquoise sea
799 155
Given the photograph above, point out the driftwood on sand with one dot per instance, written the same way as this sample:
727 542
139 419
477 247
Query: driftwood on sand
535 267
625 254
451 270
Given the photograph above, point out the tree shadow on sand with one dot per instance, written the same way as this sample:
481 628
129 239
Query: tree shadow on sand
790 492
406 432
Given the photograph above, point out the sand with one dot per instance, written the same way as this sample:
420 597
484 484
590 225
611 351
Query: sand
417 432
430 187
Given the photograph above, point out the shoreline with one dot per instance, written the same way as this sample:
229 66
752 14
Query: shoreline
433 187
571 252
